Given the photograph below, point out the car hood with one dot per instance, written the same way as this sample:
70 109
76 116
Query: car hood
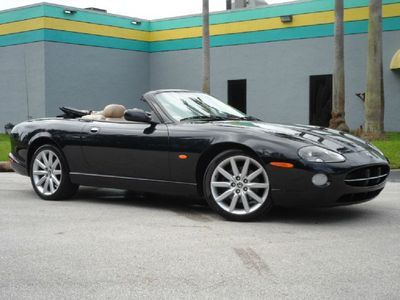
309 135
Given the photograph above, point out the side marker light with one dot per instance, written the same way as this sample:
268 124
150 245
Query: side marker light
281 164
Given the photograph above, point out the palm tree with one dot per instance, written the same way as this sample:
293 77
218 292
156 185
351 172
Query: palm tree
374 98
338 101
206 47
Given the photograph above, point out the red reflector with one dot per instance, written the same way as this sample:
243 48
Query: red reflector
281 164
182 156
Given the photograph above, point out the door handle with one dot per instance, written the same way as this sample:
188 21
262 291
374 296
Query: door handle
94 130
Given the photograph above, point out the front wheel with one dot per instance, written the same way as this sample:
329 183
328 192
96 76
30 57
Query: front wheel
49 175
236 186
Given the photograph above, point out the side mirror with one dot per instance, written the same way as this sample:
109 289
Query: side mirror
137 115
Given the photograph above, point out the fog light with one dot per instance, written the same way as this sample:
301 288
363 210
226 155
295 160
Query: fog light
319 179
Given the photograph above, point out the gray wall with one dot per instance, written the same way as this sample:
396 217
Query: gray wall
48 75
92 77
278 75
21 83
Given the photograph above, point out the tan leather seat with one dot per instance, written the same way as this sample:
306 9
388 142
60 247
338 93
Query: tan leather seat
112 112
95 115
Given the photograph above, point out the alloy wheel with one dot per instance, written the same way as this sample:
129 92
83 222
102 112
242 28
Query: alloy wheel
239 185
47 172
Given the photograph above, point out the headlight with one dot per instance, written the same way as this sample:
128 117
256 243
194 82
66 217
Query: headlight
319 154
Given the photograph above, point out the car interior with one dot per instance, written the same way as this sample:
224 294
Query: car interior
111 113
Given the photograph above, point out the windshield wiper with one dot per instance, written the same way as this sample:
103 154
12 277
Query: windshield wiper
219 118
246 118
206 118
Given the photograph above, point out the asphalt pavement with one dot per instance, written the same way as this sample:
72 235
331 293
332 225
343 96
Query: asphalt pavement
113 244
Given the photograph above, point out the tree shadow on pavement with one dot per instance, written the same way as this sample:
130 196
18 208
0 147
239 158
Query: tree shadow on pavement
344 214
146 200
198 210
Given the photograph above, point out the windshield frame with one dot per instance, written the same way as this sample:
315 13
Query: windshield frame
158 103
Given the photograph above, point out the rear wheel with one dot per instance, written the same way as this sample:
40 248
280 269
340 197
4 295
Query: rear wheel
49 174
236 186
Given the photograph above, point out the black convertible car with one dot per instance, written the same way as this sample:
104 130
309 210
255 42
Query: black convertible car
189 143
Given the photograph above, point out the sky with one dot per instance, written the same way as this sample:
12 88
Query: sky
145 9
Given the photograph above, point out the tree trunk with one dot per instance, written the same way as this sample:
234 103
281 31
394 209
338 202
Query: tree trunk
206 47
374 98
338 100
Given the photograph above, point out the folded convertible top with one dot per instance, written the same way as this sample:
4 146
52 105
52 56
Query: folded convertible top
70 112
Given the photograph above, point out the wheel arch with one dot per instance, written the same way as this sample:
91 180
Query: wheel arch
213 151
37 142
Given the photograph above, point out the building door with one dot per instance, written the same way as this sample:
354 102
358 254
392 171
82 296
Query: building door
237 94
320 99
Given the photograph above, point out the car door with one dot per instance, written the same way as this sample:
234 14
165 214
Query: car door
126 149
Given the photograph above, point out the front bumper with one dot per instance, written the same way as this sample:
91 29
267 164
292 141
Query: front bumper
294 188
17 165
336 194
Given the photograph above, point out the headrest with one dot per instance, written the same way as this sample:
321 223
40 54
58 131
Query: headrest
114 111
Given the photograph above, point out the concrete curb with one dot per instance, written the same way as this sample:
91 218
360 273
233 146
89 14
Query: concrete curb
5 166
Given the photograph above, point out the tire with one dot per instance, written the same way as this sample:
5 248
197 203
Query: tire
49 174
232 195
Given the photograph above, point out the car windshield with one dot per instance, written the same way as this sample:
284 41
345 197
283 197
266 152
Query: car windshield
196 106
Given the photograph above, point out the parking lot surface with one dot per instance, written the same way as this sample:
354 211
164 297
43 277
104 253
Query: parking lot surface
114 244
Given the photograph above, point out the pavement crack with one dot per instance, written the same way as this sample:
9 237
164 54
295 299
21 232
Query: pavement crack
191 226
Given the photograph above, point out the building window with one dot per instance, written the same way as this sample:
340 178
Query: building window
320 99
237 94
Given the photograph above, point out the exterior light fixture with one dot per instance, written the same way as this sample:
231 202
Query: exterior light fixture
136 22
286 19
69 11
320 179
361 96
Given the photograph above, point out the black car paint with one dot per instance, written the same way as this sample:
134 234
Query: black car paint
145 157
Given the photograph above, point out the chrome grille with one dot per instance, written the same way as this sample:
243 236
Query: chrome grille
368 176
